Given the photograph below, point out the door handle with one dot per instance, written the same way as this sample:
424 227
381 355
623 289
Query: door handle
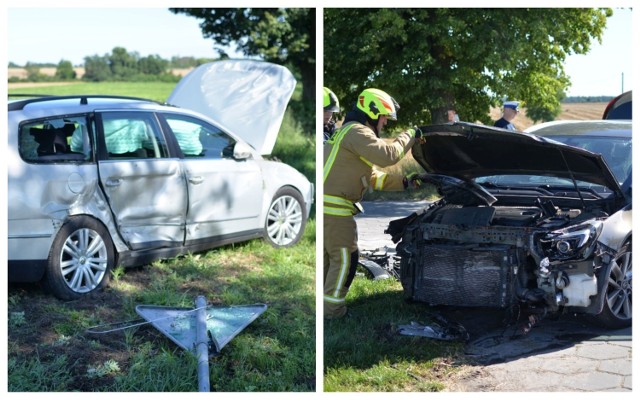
113 182
196 180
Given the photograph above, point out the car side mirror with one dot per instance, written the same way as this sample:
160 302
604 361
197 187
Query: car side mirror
241 151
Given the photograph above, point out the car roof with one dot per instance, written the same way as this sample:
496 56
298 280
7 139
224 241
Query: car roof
615 128
619 107
45 102
49 106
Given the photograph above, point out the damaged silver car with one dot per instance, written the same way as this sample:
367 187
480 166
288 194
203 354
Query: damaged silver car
540 222
99 181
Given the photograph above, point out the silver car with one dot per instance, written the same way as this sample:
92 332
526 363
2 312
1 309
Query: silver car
99 181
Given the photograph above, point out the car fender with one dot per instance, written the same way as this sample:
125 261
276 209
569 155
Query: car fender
616 229
278 175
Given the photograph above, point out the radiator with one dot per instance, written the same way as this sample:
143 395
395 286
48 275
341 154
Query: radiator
462 276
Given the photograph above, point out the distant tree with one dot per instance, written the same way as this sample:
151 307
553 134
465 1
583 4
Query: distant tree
152 65
33 73
431 59
65 71
283 36
123 64
97 69
182 62
13 65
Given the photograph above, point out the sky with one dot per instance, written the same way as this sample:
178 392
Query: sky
73 33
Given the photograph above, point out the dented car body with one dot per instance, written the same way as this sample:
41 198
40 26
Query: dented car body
99 181
525 220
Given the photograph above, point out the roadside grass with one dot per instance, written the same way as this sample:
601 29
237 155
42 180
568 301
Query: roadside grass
364 353
158 91
49 349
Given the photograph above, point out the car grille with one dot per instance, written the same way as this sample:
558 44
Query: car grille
462 276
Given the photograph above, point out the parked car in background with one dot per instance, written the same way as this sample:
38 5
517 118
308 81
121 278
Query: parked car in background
99 181
539 222
619 108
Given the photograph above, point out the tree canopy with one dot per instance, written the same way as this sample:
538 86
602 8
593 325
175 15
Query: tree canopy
285 36
469 59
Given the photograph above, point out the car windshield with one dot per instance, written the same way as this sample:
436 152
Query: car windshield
616 152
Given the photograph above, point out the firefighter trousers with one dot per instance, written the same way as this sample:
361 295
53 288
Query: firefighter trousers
340 262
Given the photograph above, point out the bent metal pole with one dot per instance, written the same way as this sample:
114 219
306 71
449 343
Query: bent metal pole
202 350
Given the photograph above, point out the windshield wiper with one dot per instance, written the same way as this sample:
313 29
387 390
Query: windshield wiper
573 179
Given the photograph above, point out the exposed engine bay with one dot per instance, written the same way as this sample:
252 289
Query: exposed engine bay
479 253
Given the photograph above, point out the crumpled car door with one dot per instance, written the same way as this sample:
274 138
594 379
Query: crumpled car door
145 188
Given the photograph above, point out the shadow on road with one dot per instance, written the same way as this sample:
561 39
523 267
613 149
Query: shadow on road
495 339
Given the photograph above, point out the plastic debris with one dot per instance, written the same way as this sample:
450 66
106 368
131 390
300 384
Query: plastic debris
441 330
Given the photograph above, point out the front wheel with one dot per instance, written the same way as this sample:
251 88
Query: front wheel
80 259
616 312
285 220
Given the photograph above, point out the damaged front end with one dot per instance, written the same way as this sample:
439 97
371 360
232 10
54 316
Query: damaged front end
482 253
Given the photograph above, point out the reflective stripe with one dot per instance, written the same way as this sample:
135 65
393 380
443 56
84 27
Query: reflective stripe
344 267
339 212
335 141
337 201
380 180
346 207
364 160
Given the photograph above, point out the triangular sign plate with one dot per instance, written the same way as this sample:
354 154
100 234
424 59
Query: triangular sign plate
179 324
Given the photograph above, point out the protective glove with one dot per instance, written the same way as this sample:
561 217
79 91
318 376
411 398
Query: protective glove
415 132
412 181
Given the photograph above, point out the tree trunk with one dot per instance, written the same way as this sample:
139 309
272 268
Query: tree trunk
308 76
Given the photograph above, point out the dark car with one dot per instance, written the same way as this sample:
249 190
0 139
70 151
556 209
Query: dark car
619 108
540 221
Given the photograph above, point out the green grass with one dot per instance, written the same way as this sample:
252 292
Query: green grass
364 353
158 91
51 349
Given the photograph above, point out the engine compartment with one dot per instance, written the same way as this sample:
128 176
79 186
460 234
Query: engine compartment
496 256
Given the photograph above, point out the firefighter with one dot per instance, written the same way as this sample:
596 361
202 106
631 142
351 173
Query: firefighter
349 159
331 105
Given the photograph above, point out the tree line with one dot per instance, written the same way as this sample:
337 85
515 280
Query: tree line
119 65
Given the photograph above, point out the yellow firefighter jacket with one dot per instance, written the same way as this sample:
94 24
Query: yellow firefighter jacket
349 160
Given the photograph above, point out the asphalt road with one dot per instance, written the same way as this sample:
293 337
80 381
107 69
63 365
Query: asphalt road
567 354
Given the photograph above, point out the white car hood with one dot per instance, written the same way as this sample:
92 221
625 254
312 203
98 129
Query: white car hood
249 97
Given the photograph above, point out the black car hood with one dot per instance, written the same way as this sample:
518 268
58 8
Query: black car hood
466 151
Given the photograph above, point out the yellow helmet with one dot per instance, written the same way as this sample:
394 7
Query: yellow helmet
330 101
375 102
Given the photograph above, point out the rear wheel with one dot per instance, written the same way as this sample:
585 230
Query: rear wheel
285 220
80 259
616 312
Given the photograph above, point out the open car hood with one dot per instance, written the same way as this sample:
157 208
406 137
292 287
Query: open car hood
248 97
466 151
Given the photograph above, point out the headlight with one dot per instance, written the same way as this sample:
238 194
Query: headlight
576 241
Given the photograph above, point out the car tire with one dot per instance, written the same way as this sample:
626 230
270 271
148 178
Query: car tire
285 221
616 312
81 258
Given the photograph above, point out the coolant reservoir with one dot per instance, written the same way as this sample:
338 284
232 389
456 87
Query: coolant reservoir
580 288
